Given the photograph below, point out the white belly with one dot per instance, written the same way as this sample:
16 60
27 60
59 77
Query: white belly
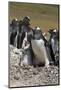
40 51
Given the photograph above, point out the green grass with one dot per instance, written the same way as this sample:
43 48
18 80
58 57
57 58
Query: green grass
44 16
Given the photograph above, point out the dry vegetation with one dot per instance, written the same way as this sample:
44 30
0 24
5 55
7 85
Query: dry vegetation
44 16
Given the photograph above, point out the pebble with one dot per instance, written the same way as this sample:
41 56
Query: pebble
28 75
52 72
17 76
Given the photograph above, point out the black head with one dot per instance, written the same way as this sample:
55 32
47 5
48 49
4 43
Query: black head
26 20
14 20
37 33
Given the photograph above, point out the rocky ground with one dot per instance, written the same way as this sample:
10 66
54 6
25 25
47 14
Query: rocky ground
29 75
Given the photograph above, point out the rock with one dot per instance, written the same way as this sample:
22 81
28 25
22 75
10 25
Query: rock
52 72
29 75
17 76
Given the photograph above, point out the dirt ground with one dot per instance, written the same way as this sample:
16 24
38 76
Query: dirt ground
29 75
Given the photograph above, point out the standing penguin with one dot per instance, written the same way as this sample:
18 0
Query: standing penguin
27 59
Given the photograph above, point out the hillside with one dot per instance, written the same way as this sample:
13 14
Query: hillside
44 16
